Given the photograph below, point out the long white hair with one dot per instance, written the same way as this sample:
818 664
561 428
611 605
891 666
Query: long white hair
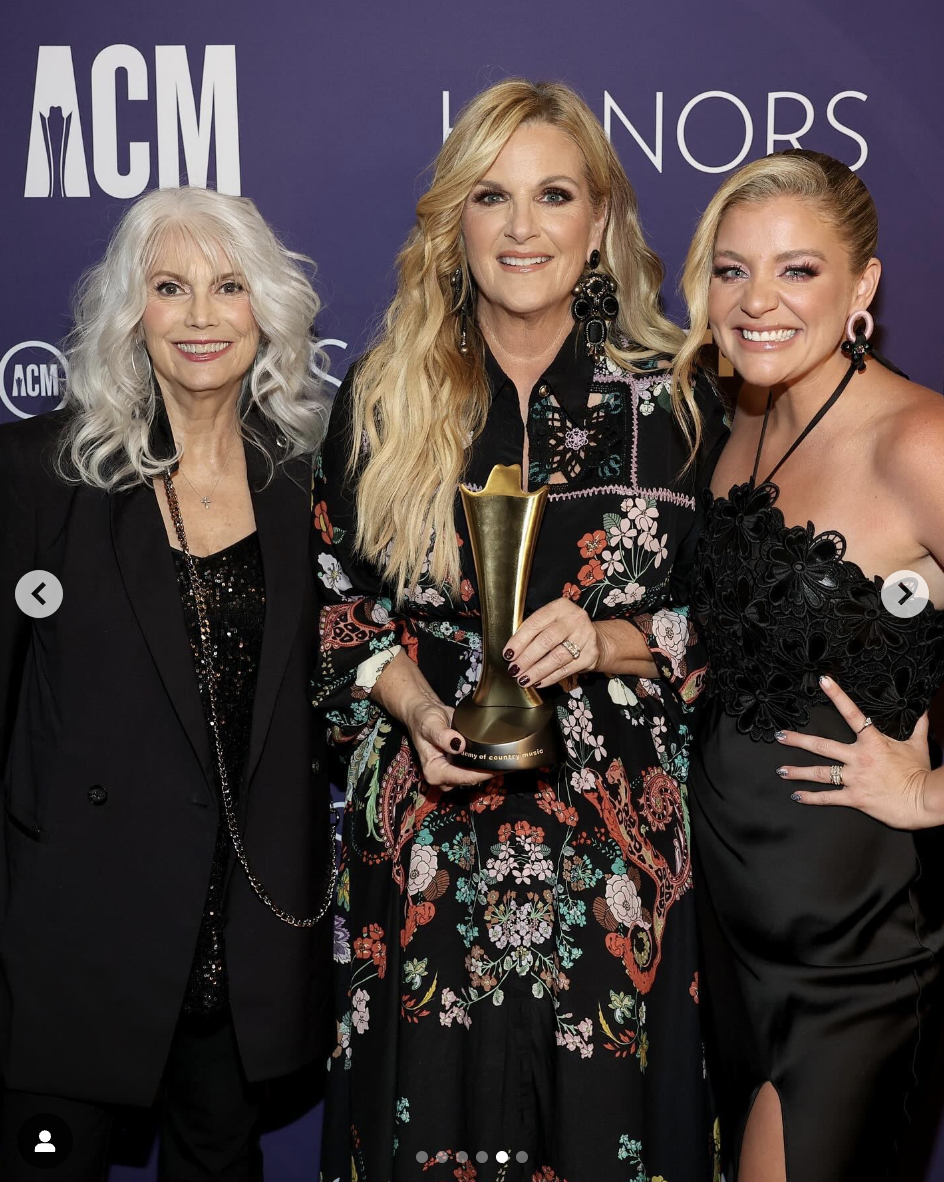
110 389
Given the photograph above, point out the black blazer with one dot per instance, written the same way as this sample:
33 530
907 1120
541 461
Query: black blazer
102 891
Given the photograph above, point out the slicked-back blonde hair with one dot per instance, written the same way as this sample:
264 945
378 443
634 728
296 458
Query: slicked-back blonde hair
417 402
796 172
110 390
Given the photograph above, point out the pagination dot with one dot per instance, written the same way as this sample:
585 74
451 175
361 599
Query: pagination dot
501 1156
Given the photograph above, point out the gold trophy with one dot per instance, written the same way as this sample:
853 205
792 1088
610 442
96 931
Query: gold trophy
506 726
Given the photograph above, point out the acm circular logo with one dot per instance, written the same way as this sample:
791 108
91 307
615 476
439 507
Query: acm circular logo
32 378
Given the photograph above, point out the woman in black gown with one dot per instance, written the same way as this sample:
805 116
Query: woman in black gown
821 927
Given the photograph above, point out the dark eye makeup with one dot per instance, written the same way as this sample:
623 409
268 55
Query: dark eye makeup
552 195
730 271
170 287
724 270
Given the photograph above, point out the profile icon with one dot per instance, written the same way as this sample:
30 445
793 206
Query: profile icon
45 1142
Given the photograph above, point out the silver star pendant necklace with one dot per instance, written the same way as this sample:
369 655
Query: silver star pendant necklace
205 500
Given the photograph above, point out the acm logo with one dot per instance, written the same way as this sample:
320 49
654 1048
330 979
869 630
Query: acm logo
32 378
57 164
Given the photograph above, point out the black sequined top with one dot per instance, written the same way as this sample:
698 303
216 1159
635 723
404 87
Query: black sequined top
236 612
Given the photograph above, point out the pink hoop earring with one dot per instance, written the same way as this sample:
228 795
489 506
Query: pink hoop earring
856 345
854 320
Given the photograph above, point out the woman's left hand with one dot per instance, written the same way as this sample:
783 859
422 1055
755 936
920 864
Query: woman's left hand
882 777
536 654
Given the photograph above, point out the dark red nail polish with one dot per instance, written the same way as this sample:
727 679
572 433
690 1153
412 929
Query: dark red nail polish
513 670
455 744
523 680
508 653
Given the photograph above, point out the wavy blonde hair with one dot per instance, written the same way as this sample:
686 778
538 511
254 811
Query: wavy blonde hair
416 400
796 172
110 390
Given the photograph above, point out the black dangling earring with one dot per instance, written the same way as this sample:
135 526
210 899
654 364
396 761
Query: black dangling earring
595 304
464 309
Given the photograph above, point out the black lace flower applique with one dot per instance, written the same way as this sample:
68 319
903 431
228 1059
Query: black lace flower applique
764 700
741 517
581 452
802 567
781 606
865 624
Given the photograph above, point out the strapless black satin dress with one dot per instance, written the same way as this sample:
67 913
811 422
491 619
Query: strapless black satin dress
821 927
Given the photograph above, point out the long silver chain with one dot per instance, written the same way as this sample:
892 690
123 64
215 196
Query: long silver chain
200 597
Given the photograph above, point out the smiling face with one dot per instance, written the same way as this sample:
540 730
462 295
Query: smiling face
529 224
782 290
198 325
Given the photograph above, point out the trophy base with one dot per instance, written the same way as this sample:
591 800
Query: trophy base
506 738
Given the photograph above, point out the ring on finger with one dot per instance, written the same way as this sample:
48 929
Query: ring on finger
571 648
835 775
867 723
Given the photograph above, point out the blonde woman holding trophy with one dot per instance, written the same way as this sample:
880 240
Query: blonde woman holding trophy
515 934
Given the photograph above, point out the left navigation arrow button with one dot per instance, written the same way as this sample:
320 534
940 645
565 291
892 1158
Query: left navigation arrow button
38 594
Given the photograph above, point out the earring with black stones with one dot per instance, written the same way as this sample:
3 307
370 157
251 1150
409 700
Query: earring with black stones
595 304
463 308
856 346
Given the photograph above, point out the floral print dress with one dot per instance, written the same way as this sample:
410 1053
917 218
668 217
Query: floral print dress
517 974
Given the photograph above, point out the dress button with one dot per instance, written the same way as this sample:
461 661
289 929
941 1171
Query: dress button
542 390
97 794
316 766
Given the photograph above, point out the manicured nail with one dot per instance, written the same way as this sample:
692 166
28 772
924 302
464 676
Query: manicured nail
780 736
795 796
824 680
508 653
455 744
523 680
782 773
513 670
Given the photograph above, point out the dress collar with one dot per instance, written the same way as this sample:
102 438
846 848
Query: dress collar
568 377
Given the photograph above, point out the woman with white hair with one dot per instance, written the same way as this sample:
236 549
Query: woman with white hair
518 988
168 847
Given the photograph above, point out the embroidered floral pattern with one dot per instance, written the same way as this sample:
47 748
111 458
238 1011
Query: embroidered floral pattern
543 897
589 451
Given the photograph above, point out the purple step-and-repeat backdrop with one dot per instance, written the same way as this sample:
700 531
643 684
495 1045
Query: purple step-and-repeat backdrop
327 115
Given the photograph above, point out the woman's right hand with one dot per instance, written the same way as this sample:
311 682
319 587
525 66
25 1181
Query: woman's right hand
430 725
